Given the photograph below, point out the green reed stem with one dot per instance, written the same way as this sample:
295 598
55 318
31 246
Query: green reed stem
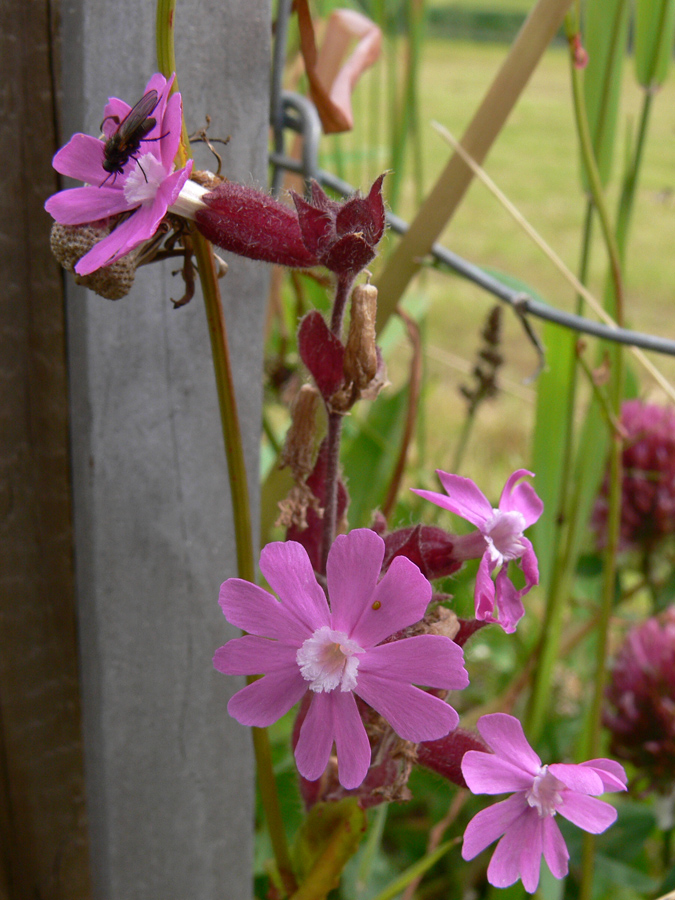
234 451
592 735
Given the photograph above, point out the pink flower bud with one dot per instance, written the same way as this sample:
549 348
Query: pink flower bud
445 755
339 235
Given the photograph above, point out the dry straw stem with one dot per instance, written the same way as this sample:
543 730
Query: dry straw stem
439 207
550 253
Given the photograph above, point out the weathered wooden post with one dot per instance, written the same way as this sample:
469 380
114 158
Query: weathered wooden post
169 778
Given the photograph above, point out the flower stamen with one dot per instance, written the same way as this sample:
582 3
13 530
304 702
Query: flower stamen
328 659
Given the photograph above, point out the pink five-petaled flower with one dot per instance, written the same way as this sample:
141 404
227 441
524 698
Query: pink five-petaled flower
501 540
526 819
146 188
338 651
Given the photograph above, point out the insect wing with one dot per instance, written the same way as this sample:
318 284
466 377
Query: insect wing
136 123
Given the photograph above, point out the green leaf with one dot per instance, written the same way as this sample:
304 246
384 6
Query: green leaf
327 839
419 868
370 453
591 461
605 37
654 26
549 440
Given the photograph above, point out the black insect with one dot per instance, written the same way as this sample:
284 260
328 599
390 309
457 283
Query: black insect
125 142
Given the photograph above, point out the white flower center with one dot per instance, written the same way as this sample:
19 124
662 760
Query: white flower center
144 179
504 535
544 795
328 660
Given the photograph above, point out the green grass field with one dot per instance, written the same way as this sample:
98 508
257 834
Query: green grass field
535 162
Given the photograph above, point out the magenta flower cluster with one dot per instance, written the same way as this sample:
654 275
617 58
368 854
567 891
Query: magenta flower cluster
145 189
336 652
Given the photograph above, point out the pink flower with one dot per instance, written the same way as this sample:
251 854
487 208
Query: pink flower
500 540
146 188
526 819
338 651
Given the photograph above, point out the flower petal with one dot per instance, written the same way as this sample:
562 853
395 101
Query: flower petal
82 158
518 854
267 699
504 734
399 600
486 773
555 848
428 659
509 605
315 742
530 566
413 714
251 655
521 498
491 823
114 109
124 238
352 570
289 573
81 205
464 498
612 773
253 609
484 592
587 812
170 133
171 187
578 778
351 740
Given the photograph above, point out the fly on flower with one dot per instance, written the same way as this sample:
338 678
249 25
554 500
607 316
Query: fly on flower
125 141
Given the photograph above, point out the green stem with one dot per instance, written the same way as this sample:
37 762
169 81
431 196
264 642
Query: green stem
233 447
630 180
566 519
592 736
467 428
597 195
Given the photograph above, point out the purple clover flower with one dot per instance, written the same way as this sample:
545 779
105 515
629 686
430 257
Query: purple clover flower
500 540
648 486
338 651
146 189
640 714
525 821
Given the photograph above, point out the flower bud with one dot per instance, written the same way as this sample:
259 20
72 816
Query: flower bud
360 362
444 756
300 445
